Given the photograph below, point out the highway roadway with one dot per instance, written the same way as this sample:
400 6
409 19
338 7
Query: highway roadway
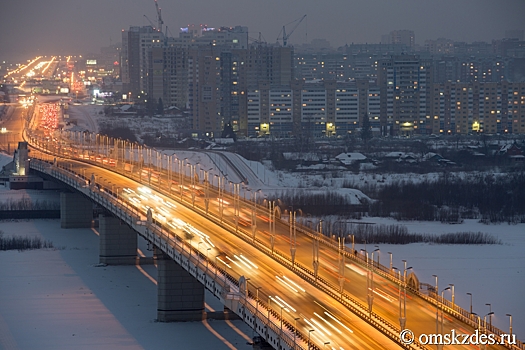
13 122
313 308
421 316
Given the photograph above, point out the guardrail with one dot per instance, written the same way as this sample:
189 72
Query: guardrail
198 265
390 330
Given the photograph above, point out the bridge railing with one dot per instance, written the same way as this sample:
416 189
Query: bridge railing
386 272
189 257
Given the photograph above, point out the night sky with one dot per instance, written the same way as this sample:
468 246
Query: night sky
41 27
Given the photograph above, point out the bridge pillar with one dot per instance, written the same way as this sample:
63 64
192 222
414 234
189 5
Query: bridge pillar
180 295
76 211
118 242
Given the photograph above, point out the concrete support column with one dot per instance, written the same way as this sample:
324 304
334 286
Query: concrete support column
180 295
76 211
118 242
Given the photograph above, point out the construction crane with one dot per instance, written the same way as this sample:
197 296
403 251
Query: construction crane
150 22
258 41
159 16
283 31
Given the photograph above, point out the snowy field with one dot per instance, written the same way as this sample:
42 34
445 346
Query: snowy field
60 299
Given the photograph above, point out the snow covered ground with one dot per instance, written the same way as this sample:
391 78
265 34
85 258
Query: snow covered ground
61 299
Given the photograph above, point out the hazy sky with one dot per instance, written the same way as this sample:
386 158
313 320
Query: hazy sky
32 27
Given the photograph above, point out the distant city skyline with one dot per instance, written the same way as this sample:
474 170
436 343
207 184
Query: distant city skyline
31 27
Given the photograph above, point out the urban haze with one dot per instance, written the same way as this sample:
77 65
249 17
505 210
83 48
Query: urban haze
32 27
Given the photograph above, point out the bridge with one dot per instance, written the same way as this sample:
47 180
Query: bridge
297 288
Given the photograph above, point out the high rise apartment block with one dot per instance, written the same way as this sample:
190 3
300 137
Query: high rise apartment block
405 37
137 43
462 108
327 108
263 89
404 83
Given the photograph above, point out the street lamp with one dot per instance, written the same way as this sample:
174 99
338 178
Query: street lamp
216 265
437 303
403 319
198 252
309 332
510 325
207 251
295 331
485 320
371 286
490 312
453 296
257 300
470 294
440 346
390 253
247 291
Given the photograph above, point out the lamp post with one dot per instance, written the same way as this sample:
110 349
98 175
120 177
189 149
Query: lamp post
246 292
293 233
309 332
341 256
281 334
198 252
315 259
271 208
254 214
207 251
442 311
510 323
399 296
440 346
484 346
371 286
491 313
257 300
390 253
485 320
367 281
437 303
453 296
470 294
295 331
378 251
216 265
403 319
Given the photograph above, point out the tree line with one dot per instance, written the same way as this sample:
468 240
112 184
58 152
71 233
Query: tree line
28 204
487 197
23 243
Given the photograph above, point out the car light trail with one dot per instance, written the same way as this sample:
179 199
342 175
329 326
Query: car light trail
295 284
285 303
336 320
224 262
248 261
328 323
242 262
286 284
